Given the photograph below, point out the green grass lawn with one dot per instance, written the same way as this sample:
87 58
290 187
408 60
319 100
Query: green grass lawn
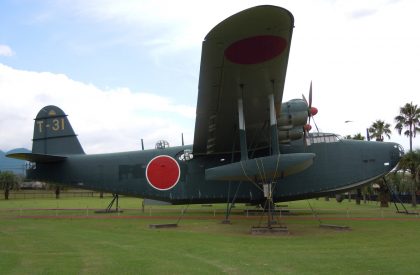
66 242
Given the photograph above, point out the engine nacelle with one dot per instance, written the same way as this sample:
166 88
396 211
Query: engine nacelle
293 117
286 136
293 113
288 121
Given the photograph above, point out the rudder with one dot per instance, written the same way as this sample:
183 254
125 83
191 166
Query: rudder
53 133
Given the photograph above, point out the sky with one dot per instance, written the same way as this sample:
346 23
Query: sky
128 70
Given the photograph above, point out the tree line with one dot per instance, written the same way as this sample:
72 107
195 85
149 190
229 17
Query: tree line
407 123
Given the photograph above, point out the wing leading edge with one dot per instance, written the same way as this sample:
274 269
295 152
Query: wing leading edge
244 56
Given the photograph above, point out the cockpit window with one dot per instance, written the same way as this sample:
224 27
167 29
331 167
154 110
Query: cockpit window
322 138
401 149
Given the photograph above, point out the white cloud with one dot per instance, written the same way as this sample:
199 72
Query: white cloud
362 56
6 50
164 25
105 120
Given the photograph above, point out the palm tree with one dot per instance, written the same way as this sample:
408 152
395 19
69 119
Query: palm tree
411 162
378 129
409 118
8 181
358 136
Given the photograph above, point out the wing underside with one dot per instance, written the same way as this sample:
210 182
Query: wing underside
245 56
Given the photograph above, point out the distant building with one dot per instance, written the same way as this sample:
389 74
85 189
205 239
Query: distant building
32 185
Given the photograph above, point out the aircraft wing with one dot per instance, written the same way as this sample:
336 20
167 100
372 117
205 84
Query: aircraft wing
244 56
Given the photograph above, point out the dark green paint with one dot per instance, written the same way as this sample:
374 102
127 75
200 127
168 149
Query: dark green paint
337 166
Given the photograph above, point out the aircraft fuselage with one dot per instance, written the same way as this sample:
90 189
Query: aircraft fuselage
338 166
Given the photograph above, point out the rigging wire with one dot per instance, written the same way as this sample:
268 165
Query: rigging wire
250 179
182 213
314 213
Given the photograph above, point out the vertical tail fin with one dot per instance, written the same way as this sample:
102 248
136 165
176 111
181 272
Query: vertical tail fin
53 133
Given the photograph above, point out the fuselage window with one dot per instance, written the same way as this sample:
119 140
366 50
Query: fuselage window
126 172
323 138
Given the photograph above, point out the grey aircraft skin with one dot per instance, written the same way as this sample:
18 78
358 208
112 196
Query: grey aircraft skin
245 137
124 173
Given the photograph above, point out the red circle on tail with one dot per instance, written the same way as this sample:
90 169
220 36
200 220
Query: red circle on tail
163 172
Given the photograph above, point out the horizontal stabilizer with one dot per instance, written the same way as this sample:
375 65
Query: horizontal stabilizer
262 169
39 158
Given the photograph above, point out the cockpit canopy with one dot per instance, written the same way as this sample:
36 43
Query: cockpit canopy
162 144
322 138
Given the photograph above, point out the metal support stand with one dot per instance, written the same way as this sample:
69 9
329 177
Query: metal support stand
396 197
324 225
269 208
230 205
271 227
170 225
109 208
226 220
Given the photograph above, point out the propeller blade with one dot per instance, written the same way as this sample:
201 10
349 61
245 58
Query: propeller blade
311 112
304 99
310 95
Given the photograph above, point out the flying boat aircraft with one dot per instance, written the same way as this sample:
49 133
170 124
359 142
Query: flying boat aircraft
249 146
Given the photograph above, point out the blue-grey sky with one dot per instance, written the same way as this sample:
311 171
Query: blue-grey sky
126 70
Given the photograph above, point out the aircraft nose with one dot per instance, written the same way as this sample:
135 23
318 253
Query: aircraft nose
396 152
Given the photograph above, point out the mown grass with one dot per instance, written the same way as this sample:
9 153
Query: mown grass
79 245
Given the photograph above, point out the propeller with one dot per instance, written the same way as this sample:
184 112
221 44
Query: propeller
312 111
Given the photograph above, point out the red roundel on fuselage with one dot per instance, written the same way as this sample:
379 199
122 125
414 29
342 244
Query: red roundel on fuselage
163 172
256 49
